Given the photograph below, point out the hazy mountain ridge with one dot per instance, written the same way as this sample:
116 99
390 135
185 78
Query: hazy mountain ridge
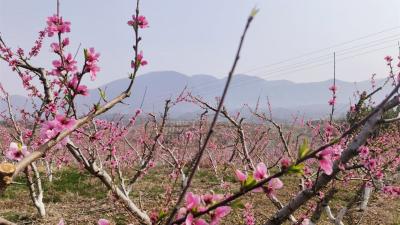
287 98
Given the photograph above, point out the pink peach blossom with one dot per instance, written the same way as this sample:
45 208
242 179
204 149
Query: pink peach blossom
240 176
325 160
139 21
103 222
16 151
260 172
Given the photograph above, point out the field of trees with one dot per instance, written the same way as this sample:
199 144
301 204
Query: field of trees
59 165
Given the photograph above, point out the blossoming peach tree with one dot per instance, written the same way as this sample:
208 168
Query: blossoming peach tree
321 156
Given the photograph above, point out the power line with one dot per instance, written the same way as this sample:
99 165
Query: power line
290 69
296 70
326 48
345 51
317 59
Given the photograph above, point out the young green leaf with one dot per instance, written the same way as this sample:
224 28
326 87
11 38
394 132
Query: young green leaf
249 182
304 149
296 169
85 53
102 94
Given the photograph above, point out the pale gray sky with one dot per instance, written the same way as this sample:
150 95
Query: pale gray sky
200 37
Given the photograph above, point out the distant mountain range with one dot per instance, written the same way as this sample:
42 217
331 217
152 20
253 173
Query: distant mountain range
287 98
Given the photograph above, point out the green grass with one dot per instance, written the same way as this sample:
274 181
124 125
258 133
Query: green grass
65 182
12 193
75 182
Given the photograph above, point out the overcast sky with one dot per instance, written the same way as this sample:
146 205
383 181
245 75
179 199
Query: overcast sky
200 37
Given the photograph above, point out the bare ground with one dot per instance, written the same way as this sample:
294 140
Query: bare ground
79 199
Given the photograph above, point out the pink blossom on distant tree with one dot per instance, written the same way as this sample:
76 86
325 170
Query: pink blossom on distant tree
249 215
363 151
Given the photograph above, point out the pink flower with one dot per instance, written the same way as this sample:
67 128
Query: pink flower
93 69
379 175
65 42
333 88
388 59
260 172
392 191
82 90
191 221
55 24
207 198
329 129
139 61
91 62
103 222
371 164
192 201
55 47
363 151
285 163
68 66
92 56
49 129
332 101
64 123
137 112
139 21
219 213
154 217
273 184
181 213
240 176
249 215
211 198
200 222
78 89
336 151
16 151
70 63
325 160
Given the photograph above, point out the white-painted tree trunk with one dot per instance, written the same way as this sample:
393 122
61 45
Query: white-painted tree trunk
36 190
366 194
49 170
